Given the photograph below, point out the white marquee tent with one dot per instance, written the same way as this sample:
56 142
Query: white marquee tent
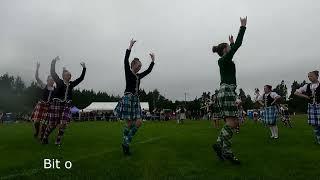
109 106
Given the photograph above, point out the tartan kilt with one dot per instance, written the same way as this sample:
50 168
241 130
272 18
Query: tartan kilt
59 112
270 115
227 100
128 108
314 114
40 111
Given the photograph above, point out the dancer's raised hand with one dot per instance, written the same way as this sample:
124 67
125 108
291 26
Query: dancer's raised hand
56 59
83 64
132 42
231 39
243 21
152 57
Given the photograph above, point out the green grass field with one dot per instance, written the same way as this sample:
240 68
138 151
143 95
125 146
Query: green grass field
161 150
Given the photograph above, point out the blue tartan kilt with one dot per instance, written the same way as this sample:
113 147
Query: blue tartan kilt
314 114
128 108
270 115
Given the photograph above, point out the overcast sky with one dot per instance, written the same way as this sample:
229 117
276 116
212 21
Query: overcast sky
281 41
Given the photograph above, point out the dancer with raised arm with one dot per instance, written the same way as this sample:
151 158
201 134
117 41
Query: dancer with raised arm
39 114
59 110
129 107
227 95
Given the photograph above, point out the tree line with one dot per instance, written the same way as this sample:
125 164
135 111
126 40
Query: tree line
18 97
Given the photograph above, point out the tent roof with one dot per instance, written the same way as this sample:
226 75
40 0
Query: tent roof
109 106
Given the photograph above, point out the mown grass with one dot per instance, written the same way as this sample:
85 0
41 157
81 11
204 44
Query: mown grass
161 150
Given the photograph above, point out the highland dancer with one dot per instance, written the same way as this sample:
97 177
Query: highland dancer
39 114
240 116
311 92
227 96
129 107
268 100
59 110
216 116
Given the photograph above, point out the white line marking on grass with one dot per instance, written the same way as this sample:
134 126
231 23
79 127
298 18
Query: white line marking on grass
36 170
150 140
115 149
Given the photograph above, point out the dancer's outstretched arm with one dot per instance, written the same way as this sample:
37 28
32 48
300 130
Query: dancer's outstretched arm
39 82
299 92
53 73
276 98
127 68
80 79
301 95
146 72
235 45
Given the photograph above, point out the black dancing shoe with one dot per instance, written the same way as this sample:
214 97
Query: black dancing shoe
124 149
218 150
44 141
128 151
232 158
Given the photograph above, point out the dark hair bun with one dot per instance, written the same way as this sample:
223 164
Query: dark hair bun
215 49
316 72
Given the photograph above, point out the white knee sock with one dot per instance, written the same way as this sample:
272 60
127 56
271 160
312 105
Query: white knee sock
275 130
272 131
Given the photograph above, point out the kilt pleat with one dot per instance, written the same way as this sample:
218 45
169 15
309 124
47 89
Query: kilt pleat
40 111
227 100
314 114
59 112
128 108
270 115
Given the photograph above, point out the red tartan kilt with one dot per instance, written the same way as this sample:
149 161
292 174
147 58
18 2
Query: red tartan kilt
59 112
40 111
